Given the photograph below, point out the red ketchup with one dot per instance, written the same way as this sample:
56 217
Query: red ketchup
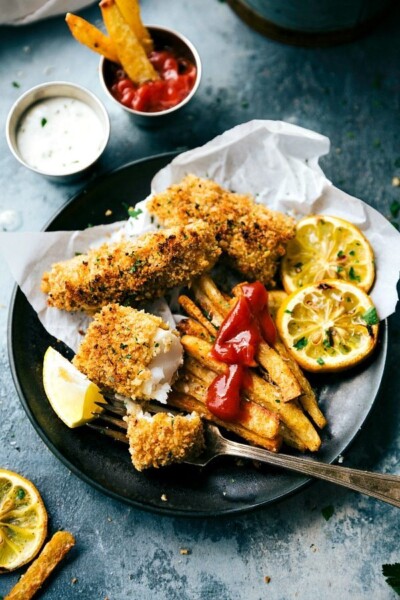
240 334
177 78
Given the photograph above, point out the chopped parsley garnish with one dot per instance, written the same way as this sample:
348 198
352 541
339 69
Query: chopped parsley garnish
392 574
21 494
326 343
353 276
298 265
135 266
339 269
43 121
289 312
128 356
340 254
245 104
123 346
16 84
395 208
301 343
371 316
352 252
320 361
327 512
132 212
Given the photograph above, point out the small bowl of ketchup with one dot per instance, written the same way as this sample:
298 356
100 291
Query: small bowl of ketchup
152 103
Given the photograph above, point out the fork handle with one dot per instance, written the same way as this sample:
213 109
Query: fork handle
377 485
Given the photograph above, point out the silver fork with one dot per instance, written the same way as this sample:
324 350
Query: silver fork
377 485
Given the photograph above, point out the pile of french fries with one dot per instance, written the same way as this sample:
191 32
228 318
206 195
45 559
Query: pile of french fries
280 405
128 41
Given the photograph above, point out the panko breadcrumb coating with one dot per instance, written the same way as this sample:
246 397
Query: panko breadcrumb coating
162 439
136 270
253 236
120 347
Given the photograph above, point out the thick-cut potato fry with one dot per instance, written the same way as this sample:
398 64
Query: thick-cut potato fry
254 417
210 309
131 54
193 311
290 413
260 392
189 404
200 350
130 10
33 579
88 35
275 366
291 439
275 299
307 399
208 287
191 327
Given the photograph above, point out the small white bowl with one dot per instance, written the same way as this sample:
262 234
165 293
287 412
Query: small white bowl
163 37
52 90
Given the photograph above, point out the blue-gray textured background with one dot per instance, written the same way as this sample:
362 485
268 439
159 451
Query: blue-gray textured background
351 94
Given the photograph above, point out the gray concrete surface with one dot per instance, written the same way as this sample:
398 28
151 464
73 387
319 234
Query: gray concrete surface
349 93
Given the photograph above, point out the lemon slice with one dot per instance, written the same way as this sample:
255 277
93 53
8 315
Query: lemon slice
23 521
70 393
327 248
328 326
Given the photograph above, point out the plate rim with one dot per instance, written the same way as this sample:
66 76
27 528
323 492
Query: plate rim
155 509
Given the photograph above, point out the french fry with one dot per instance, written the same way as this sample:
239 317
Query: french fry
189 404
193 311
130 10
131 53
88 35
191 327
208 306
275 299
276 368
291 439
200 350
261 392
208 287
307 399
33 579
254 417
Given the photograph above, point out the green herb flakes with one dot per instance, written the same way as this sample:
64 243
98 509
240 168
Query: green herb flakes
16 84
352 252
301 343
353 276
123 346
340 254
327 512
371 316
320 361
21 494
339 269
289 312
395 208
392 574
43 121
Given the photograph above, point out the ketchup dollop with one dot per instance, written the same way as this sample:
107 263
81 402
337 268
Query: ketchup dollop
239 336
177 78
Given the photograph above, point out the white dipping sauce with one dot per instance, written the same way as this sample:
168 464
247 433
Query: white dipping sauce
59 135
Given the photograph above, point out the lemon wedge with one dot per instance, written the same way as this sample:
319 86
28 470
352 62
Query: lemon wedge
72 396
327 248
23 521
328 326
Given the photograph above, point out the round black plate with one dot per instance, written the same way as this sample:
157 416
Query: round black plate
221 488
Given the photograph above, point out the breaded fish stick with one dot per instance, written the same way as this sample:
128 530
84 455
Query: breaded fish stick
132 270
252 236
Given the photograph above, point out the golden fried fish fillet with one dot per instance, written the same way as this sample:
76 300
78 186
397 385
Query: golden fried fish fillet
162 439
129 352
253 237
132 270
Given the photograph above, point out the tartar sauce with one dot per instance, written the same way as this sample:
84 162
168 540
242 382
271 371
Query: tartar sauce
59 135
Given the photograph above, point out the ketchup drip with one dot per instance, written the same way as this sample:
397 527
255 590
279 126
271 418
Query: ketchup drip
239 337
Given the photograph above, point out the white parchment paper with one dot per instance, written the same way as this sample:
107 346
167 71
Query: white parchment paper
277 162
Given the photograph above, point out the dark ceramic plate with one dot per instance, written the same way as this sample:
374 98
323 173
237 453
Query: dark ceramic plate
221 488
